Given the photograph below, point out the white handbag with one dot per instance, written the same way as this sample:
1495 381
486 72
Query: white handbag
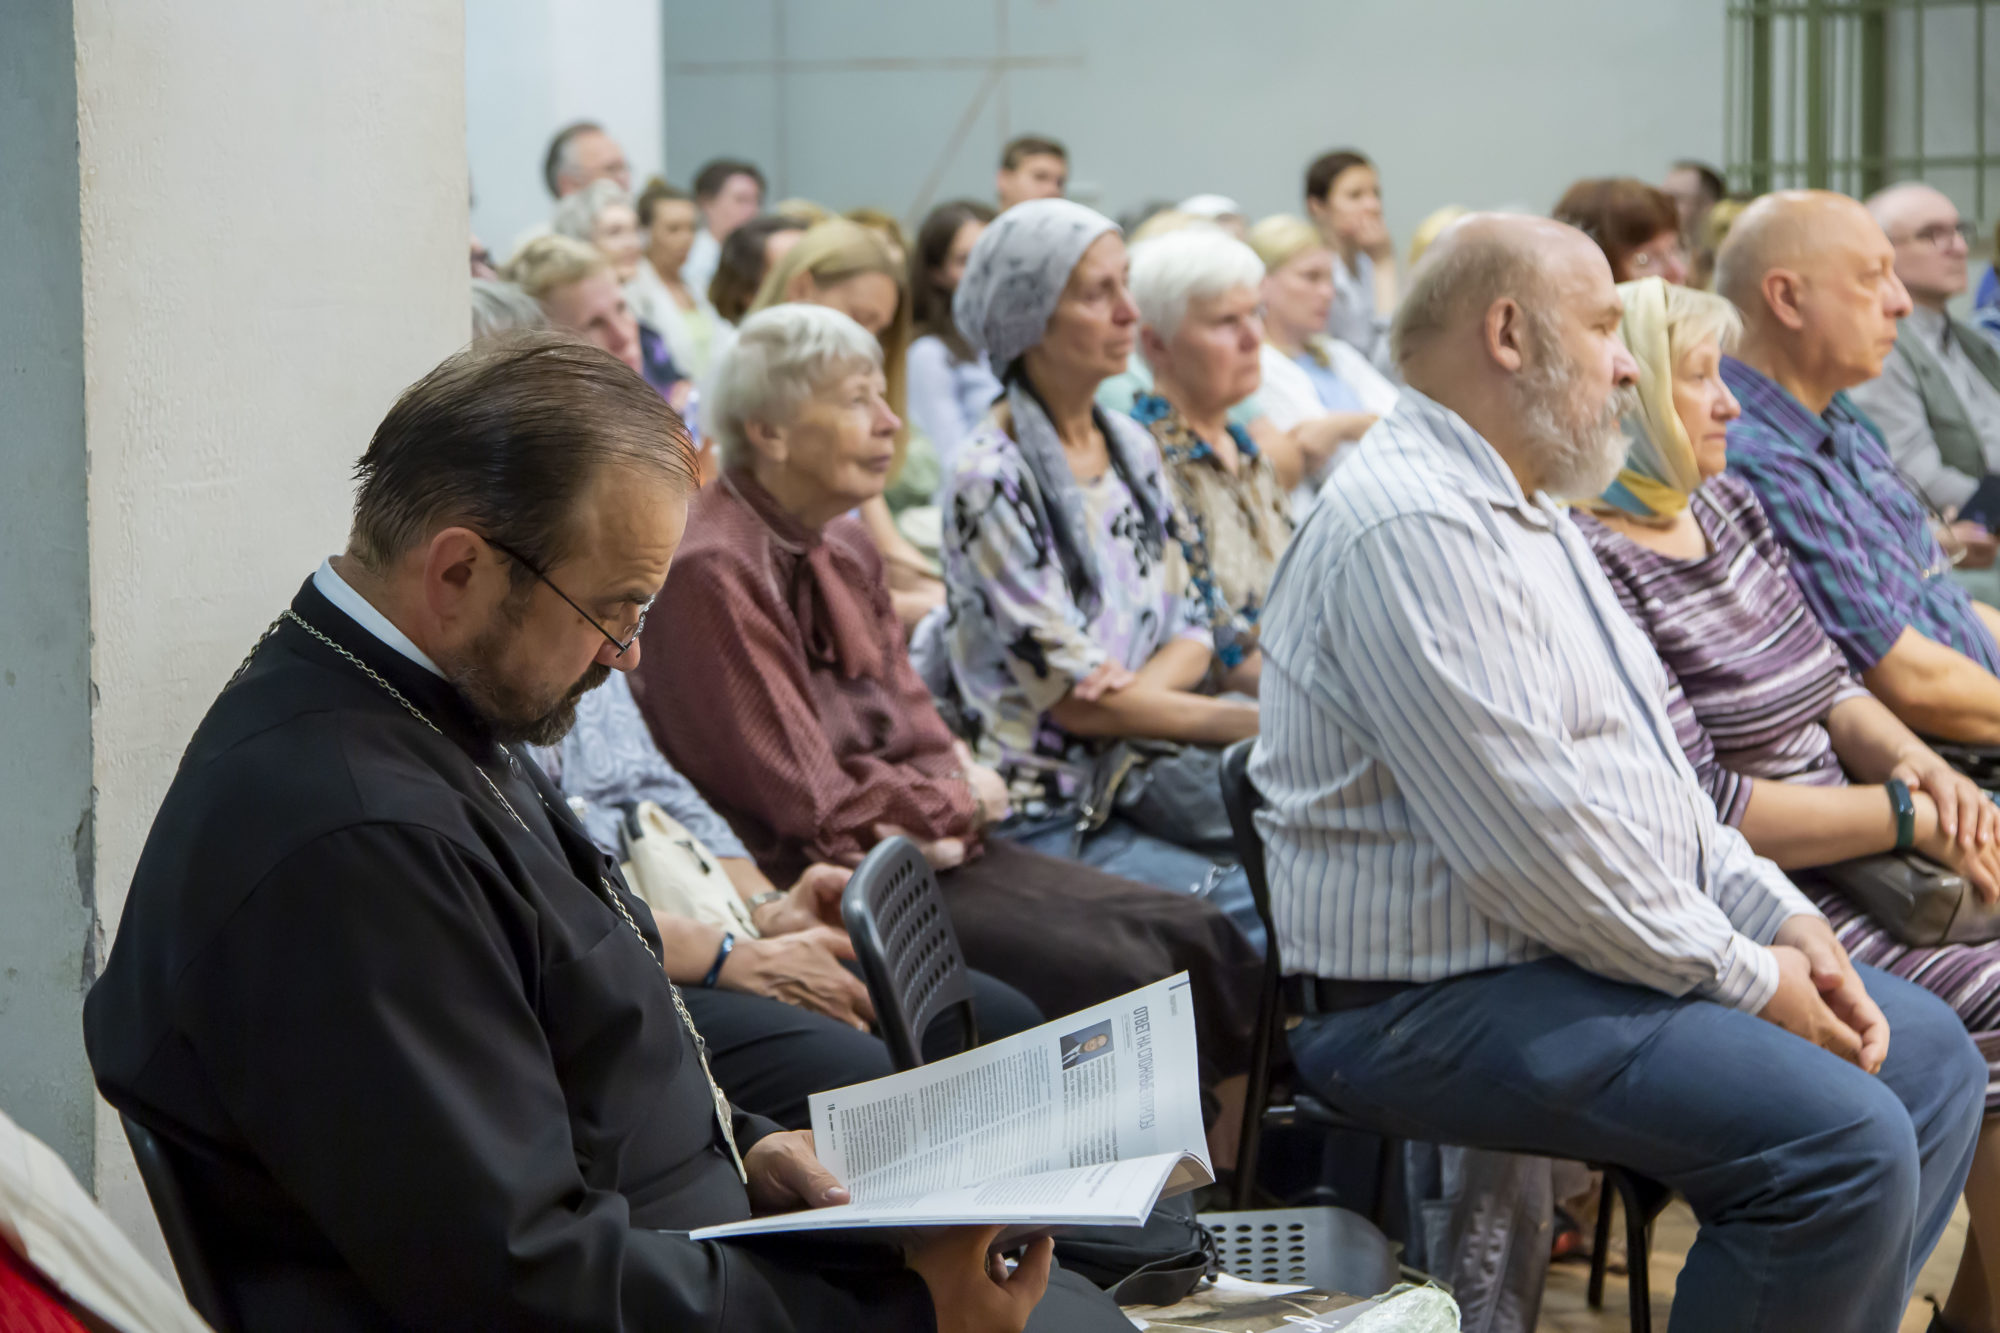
670 869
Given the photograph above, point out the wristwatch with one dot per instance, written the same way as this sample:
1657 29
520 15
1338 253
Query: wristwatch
1906 813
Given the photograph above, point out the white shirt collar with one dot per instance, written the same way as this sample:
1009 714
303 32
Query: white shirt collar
1932 326
1472 456
358 609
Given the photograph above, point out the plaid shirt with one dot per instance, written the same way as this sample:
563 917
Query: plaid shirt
1860 540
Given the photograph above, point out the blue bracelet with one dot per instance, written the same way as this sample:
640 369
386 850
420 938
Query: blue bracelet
1906 813
721 956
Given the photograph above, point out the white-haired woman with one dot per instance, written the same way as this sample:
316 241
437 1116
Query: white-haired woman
602 214
1073 629
1197 295
776 679
1316 387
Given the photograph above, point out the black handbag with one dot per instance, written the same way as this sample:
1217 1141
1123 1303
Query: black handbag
1156 1264
1163 788
1915 899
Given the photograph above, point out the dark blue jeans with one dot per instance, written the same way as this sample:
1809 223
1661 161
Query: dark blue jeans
1820 1189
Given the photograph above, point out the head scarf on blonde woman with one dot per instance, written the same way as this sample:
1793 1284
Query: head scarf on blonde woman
1660 471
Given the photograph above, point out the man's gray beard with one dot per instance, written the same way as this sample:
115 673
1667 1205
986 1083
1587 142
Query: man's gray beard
1579 452
510 713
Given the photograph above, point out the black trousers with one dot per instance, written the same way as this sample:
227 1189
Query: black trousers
770 1056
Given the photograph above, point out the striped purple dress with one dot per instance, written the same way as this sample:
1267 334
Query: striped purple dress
1751 678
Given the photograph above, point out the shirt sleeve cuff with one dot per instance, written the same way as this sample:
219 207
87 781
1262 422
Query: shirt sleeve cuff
1746 976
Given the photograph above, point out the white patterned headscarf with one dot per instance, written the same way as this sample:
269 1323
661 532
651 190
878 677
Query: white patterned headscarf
1013 281
1016 273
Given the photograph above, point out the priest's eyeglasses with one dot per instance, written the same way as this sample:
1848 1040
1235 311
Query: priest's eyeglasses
620 644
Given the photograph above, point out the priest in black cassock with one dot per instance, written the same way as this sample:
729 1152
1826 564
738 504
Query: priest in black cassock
400 1024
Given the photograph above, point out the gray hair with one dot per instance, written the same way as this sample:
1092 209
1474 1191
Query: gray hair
1454 279
502 307
782 356
576 215
1194 264
561 158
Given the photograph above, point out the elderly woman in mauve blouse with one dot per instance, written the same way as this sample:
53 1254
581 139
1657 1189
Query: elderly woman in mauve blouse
776 679
1763 704
1072 622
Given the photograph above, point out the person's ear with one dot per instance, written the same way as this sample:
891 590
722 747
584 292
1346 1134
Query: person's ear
1316 209
1504 332
1784 293
767 440
1152 347
459 570
802 288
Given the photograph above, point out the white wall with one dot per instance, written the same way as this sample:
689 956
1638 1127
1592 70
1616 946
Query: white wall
1460 101
273 223
533 66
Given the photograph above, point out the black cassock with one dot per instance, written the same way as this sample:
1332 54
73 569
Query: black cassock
419 1072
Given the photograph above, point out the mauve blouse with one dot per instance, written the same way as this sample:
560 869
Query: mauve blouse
1751 676
756 706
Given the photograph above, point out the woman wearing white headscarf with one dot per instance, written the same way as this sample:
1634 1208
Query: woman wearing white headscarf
1073 625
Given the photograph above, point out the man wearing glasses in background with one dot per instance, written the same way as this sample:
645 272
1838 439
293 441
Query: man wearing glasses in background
1937 400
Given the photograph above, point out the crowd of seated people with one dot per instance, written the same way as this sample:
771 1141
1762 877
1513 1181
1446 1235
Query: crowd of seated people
1575 610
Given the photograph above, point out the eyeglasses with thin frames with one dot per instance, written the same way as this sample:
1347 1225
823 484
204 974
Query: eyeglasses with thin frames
620 644
1940 235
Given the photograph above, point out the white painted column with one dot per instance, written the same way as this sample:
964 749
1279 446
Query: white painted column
266 227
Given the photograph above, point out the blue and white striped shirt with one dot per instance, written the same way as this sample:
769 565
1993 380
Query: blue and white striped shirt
1465 753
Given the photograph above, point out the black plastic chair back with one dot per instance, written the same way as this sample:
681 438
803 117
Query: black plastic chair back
1242 800
163 1187
907 949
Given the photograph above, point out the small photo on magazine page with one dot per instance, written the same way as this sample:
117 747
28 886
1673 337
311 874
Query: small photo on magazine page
1086 1044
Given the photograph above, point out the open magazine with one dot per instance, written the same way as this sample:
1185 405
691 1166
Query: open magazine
1086 1121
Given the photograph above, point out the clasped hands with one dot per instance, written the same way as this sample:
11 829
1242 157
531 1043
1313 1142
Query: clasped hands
1964 833
1820 996
800 957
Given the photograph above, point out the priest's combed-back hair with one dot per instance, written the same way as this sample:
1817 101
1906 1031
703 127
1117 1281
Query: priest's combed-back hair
505 438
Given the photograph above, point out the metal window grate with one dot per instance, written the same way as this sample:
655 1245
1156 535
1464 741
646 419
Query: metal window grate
1853 95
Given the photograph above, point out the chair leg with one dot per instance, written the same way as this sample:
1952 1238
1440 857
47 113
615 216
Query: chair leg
1385 1166
1600 1245
1638 1252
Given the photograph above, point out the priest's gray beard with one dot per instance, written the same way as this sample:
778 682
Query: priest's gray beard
513 713
1577 445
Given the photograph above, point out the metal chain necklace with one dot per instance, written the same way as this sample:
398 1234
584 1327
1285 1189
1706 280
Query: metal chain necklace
610 893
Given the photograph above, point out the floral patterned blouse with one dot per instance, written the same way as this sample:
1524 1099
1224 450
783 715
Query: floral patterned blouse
1232 527
1017 638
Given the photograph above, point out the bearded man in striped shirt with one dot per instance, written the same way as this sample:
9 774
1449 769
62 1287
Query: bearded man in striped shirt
1508 912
